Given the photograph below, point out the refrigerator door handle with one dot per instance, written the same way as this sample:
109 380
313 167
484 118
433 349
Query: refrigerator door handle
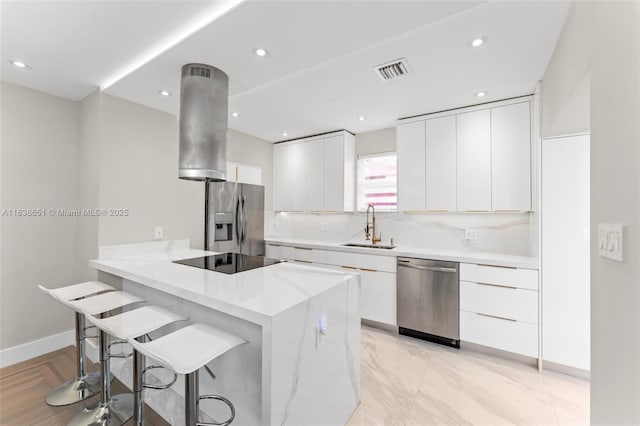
244 218
238 221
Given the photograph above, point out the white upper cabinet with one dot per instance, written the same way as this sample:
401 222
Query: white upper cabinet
474 160
282 177
440 166
315 174
410 146
311 181
511 157
477 159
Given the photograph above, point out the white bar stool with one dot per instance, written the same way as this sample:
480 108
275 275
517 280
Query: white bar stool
185 351
84 385
110 410
137 324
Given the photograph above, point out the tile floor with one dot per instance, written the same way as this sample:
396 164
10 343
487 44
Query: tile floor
410 382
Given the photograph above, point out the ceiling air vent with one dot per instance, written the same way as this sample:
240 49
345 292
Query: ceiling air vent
392 69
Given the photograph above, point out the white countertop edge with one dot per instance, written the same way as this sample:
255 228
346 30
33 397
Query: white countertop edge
236 311
495 259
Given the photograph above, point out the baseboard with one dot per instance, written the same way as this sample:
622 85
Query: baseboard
499 353
36 348
566 369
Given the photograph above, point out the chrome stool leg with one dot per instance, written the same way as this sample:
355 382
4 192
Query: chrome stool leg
192 400
110 410
84 385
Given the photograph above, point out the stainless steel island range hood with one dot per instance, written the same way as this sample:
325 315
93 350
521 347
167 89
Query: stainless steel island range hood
204 99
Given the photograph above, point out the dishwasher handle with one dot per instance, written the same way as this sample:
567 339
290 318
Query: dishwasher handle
428 268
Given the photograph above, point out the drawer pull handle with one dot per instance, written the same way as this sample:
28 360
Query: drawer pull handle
368 270
494 316
348 267
427 268
498 285
303 248
497 266
303 261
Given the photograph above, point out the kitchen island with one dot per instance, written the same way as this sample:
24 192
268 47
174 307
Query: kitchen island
301 364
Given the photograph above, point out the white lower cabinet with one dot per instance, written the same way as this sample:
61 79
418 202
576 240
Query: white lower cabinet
273 251
499 308
507 335
378 296
377 276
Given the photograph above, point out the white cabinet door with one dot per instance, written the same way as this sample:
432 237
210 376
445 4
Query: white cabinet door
378 296
310 185
297 177
334 184
440 166
511 157
282 177
566 295
474 161
410 145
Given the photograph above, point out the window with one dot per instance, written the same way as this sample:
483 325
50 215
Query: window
377 181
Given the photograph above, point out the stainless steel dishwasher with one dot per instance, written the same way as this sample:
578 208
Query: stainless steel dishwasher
429 300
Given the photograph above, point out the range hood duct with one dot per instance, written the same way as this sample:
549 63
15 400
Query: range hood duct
204 114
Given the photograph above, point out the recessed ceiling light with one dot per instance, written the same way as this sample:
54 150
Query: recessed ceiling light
260 52
19 64
478 41
285 134
361 118
481 94
164 92
235 114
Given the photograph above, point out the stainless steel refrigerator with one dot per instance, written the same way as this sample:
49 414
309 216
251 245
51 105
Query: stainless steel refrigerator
235 218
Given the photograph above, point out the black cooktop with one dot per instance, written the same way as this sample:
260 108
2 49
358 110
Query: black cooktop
228 263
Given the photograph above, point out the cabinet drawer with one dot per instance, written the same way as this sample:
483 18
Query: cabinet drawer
512 336
362 261
273 251
507 302
510 277
304 254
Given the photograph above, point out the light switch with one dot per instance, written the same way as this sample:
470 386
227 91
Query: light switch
321 330
611 240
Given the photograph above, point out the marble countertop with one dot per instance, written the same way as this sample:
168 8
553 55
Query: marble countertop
496 259
256 295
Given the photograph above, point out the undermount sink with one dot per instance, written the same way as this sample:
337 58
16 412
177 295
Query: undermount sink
374 246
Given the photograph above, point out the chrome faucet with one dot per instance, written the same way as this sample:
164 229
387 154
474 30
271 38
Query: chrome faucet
372 235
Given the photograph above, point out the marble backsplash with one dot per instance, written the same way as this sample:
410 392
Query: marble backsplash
504 233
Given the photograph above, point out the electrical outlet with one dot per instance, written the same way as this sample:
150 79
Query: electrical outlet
324 227
158 232
321 330
470 234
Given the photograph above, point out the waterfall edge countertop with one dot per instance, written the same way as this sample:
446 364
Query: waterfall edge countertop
256 295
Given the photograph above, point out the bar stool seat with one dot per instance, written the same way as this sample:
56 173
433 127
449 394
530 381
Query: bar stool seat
185 351
136 323
190 348
84 385
109 410
102 302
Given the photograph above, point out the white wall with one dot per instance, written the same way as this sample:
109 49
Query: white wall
246 149
40 138
565 88
615 198
383 140
138 171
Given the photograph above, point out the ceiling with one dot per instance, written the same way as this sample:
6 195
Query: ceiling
317 75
